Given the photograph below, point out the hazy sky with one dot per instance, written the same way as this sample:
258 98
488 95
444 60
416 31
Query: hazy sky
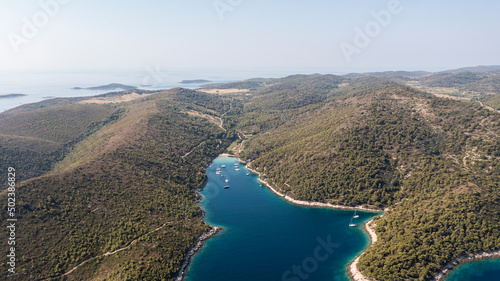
320 35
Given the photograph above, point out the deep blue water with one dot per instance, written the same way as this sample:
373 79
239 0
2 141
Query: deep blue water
268 238
484 270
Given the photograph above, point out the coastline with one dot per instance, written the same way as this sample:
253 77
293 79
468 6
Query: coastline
464 259
307 203
353 271
195 249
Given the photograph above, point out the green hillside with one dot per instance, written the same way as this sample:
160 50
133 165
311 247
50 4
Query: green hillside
138 185
433 162
33 141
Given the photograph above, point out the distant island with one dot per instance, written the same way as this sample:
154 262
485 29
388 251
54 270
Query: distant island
12 96
112 86
196 81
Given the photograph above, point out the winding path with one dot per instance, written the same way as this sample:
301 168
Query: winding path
115 251
187 154
221 125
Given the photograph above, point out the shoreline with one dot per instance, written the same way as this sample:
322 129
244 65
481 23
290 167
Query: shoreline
463 260
230 155
307 203
354 273
199 244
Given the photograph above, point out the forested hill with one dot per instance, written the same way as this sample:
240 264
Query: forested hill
433 162
117 196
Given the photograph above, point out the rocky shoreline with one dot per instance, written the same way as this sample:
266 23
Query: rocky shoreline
464 259
195 249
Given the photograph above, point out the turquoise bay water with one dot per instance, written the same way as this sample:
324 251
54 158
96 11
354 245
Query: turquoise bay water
267 238
484 270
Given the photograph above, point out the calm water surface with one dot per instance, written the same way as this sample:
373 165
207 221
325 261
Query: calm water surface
268 238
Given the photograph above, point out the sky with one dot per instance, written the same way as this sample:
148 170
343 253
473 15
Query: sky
309 36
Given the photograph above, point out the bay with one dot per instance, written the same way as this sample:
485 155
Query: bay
265 237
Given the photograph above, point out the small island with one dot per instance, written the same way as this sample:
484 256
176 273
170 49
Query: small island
196 81
7 96
112 86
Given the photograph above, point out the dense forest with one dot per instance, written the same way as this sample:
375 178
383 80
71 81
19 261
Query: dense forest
109 190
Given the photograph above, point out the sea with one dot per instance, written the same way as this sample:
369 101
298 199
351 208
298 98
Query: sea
484 270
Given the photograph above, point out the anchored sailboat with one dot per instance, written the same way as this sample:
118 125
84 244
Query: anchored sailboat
355 215
351 223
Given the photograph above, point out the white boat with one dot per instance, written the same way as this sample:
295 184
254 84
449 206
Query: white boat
227 180
237 169
218 172
351 223
355 215
223 166
248 174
